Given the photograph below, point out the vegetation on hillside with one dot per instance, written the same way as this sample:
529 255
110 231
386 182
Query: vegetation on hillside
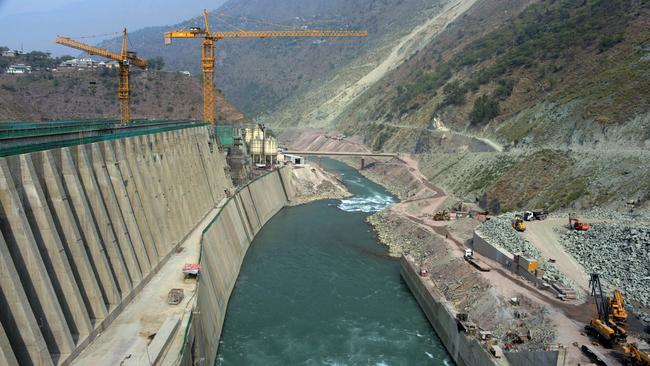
542 41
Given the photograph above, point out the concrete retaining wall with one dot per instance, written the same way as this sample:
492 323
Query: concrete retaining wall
223 247
83 228
463 349
481 246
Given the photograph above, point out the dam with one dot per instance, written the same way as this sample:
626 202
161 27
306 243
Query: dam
95 232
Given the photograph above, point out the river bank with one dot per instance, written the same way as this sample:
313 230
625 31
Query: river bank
313 183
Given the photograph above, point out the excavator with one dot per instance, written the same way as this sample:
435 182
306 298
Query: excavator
576 224
636 356
604 327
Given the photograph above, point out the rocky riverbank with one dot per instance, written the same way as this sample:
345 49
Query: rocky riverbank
312 183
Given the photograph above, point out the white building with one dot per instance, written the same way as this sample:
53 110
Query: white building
79 64
294 159
19 69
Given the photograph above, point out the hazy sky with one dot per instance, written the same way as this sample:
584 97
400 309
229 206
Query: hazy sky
34 24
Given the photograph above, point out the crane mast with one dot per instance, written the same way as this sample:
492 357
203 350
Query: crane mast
208 53
124 59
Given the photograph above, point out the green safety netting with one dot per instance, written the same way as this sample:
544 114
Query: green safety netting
15 136
225 135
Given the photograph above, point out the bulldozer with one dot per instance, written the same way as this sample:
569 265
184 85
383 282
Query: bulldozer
576 224
519 224
604 327
636 356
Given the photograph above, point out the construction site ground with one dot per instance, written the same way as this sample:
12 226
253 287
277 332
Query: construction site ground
400 228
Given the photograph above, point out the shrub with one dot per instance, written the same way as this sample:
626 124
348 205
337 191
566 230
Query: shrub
610 41
504 89
454 94
485 109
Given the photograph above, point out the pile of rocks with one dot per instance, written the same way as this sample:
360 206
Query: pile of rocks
619 252
499 232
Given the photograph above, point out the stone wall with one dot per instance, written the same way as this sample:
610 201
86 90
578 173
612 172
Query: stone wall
83 229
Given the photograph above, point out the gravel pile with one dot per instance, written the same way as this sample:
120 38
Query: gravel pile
499 232
620 253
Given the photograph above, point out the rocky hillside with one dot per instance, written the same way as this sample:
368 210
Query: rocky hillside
93 94
559 88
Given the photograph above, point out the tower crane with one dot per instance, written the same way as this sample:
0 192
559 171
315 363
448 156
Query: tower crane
124 59
208 47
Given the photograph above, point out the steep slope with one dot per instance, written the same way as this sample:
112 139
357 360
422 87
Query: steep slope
561 73
256 75
562 86
93 94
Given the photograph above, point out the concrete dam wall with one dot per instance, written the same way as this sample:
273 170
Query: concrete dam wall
84 228
223 246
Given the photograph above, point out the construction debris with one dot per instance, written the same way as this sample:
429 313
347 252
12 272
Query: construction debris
175 296
619 252
498 231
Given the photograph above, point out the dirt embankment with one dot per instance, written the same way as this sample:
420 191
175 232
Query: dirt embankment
311 183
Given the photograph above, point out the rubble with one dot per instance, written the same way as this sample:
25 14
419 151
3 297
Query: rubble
499 232
619 252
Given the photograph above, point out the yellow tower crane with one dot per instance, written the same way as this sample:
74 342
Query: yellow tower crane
124 59
207 51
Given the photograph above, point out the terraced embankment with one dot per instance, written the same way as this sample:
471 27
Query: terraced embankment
84 228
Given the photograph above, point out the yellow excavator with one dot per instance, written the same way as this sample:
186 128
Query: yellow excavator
604 327
636 356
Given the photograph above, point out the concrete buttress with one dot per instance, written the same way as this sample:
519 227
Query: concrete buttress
34 276
52 251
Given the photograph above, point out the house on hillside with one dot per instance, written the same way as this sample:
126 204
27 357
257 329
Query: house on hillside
9 53
19 69
79 64
112 64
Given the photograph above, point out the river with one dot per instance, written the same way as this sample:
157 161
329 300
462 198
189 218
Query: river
316 288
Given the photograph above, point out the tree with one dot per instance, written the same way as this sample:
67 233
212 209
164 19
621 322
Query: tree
156 63
454 93
485 109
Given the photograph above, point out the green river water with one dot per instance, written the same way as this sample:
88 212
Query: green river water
316 288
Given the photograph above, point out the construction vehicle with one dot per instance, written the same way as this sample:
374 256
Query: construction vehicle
124 59
442 216
535 215
478 264
617 307
603 327
576 224
636 356
519 224
208 51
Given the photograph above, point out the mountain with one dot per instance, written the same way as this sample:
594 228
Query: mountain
558 88
257 75
35 24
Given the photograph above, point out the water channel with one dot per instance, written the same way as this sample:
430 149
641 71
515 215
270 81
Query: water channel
317 289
